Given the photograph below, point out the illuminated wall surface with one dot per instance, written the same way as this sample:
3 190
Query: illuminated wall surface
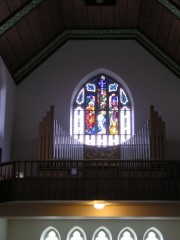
95 229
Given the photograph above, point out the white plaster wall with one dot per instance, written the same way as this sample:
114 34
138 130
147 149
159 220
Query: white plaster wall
54 81
32 228
7 104
3 228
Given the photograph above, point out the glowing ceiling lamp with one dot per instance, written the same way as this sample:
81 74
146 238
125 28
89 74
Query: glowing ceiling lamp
99 204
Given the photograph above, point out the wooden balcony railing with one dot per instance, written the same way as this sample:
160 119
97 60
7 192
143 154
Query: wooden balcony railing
90 180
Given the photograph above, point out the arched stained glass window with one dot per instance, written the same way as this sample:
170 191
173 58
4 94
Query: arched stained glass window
101 112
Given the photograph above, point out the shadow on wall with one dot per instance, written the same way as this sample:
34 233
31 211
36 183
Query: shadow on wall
173 149
0 154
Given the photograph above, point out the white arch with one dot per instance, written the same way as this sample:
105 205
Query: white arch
102 229
75 230
47 231
129 230
111 74
157 234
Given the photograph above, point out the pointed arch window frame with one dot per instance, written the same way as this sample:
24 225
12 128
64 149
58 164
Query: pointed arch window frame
124 89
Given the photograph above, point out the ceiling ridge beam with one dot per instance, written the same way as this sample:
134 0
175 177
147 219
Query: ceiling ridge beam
172 8
82 34
19 15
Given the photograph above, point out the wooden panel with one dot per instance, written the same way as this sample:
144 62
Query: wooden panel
45 19
133 10
17 45
67 11
164 28
120 13
173 44
145 13
34 24
7 54
154 19
45 140
94 17
56 17
107 17
177 54
26 36
80 12
8 7
4 10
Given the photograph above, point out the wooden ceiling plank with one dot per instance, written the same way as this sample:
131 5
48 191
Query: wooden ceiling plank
155 16
17 45
7 54
145 15
27 38
56 17
94 17
34 24
177 54
173 43
68 15
12 20
164 28
133 13
15 5
120 14
4 11
45 20
107 17
81 15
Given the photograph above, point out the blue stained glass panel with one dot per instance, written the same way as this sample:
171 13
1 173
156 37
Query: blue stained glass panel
90 87
80 97
113 87
123 97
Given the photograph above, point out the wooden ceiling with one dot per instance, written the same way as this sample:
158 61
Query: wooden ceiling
31 30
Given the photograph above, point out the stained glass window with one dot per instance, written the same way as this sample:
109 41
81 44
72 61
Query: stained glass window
102 112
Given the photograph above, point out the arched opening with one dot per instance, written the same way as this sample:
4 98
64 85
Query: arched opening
102 110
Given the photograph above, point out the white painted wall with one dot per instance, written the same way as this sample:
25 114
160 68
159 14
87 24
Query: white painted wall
150 82
3 228
32 228
7 104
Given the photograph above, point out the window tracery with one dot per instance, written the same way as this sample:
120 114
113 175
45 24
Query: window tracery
102 112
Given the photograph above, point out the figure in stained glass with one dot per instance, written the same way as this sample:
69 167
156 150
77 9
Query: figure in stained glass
101 123
90 102
102 93
113 102
113 122
90 122
104 115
